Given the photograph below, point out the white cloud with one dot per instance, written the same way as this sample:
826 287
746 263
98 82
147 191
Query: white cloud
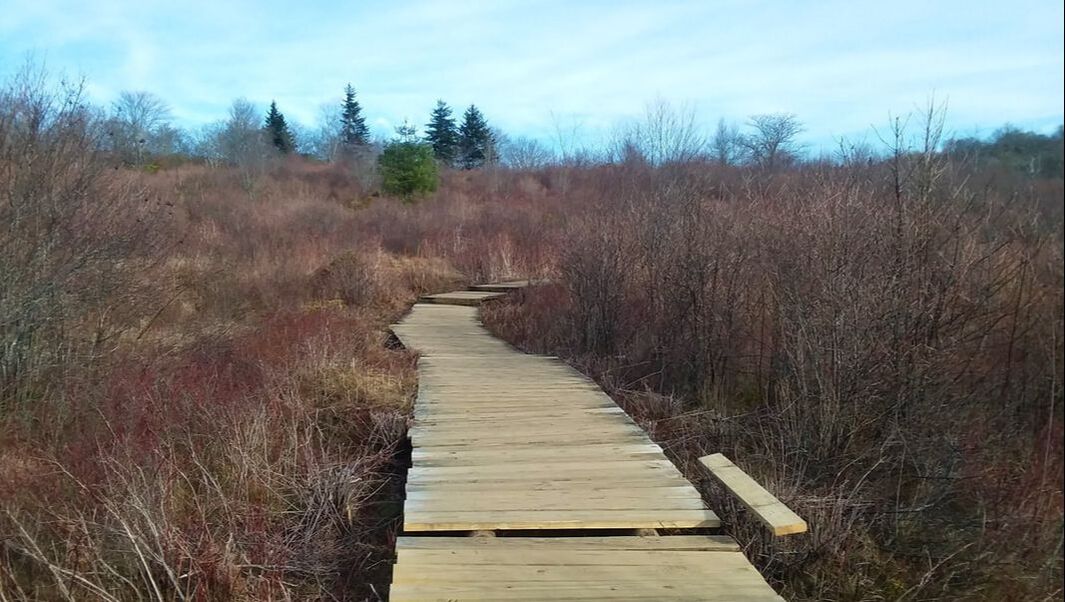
840 65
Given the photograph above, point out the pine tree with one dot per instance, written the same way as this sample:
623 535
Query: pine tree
475 139
442 134
277 130
353 131
407 165
406 132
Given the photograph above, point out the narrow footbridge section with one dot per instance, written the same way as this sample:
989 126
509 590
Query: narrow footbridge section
528 450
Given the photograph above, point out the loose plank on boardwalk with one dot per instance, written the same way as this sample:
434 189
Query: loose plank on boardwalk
778 518
707 568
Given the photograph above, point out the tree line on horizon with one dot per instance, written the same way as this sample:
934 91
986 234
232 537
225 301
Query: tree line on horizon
139 128
467 145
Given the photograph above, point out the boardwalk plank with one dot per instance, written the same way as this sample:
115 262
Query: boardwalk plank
576 568
709 543
661 518
778 518
492 420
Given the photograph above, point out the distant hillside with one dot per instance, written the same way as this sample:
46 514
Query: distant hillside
1014 149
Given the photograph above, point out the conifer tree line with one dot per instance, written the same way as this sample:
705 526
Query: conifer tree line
468 145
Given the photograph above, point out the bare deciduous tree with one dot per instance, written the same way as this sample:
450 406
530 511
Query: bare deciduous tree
665 135
567 139
774 139
324 141
241 141
136 119
855 153
726 144
168 140
75 240
525 153
916 163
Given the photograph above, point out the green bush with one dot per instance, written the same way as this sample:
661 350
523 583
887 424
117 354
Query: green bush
408 169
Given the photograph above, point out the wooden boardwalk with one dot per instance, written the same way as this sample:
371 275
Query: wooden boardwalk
504 441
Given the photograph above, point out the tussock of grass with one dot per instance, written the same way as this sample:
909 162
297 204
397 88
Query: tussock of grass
358 385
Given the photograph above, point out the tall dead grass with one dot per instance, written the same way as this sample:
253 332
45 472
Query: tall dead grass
198 399
880 344
75 239
230 470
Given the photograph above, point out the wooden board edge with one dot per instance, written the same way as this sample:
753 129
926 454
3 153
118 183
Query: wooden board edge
790 524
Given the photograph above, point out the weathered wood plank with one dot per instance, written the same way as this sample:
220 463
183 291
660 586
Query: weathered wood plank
514 455
680 491
562 486
492 576
575 568
776 516
576 591
470 298
501 287
560 519
497 502
707 543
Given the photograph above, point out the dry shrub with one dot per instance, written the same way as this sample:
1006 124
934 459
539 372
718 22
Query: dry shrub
230 473
525 318
424 275
485 236
384 281
347 277
78 244
880 344
193 422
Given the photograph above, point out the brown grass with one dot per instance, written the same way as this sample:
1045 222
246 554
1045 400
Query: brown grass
199 400
208 408
889 364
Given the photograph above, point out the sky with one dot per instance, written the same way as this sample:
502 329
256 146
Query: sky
536 68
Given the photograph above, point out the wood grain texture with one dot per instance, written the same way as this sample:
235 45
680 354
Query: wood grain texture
776 516
506 440
575 568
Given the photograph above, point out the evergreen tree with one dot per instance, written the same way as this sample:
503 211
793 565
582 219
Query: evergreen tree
353 131
406 132
407 165
475 139
442 134
277 130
